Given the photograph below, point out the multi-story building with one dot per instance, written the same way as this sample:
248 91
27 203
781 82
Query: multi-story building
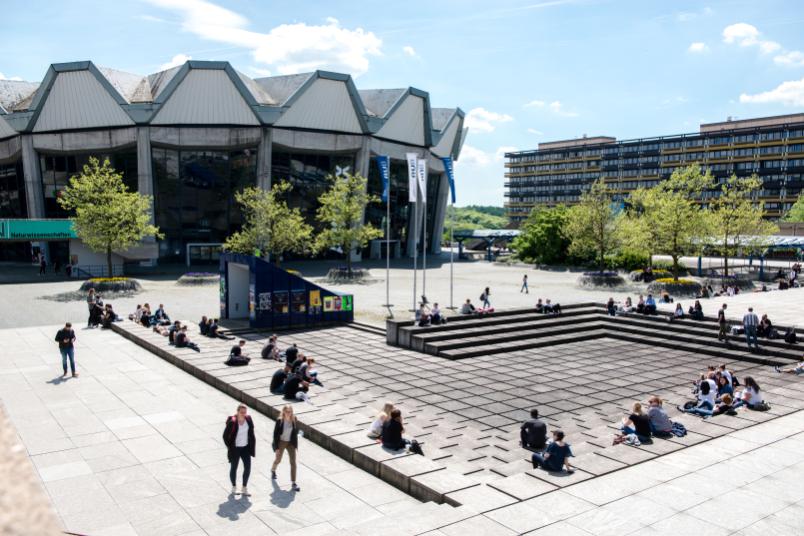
193 135
558 172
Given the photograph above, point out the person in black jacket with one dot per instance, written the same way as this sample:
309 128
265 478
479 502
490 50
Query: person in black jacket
66 339
293 386
238 436
278 380
533 433
291 353
392 431
286 438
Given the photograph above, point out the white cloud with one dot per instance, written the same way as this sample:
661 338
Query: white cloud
499 154
747 35
175 61
535 132
409 51
288 48
482 120
535 104
472 156
686 16
557 108
14 78
150 18
794 58
259 71
789 93
698 47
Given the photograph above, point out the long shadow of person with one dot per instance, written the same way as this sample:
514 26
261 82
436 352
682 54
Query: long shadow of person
57 380
280 497
233 507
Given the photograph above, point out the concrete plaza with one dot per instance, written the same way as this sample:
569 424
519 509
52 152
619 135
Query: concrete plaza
133 447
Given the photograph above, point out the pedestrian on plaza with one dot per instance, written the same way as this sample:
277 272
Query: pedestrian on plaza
723 334
240 441
91 299
286 438
485 298
524 284
66 339
750 323
42 265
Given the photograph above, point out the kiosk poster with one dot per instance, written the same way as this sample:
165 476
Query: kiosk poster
346 302
329 304
315 302
280 302
252 302
298 301
222 293
264 302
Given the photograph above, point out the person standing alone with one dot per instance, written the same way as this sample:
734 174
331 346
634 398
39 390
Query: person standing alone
286 438
524 284
723 334
238 436
485 298
750 323
66 339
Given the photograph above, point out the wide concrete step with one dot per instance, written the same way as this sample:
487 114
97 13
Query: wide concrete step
537 342
479 337
696 345
688 335
546 321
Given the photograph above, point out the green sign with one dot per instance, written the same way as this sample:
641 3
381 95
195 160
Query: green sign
33 230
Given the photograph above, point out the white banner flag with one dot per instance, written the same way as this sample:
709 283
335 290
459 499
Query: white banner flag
412 173
422 174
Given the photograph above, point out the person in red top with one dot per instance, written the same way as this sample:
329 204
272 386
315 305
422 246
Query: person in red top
238 436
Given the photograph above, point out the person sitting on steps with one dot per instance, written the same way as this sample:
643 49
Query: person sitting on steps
533 433
556 455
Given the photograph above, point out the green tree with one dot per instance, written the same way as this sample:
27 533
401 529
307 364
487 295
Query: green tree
639 235
341 210
735 221
542 239
796 212
270 225
106 216
593 225
671 212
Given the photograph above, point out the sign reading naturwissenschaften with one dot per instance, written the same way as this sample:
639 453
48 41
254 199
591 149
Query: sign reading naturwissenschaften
36 230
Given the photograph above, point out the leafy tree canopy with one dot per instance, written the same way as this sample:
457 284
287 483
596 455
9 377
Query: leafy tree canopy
543 239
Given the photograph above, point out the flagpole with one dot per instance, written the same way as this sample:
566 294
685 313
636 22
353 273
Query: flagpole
415 247
451 254
388 251
424 249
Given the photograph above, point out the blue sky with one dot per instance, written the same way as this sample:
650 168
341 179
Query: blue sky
525 72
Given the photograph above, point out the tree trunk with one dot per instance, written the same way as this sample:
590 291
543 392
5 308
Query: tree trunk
675 268
725 259
349 263
602 267
109 260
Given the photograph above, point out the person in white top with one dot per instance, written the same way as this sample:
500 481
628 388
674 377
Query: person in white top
750 396
286 438
375 429
727 373
239 438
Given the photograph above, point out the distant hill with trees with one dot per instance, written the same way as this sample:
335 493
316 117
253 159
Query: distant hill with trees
475 217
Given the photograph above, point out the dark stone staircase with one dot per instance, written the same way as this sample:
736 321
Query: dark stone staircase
466 336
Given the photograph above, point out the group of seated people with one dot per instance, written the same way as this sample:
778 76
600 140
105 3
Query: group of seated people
209 327
426 315
695 312
388 428
548 307
294 379
177 335
102 314
469 309
142 315
716 395
639 426
551 456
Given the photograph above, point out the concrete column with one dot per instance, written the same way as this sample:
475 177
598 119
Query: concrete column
145 181
440 214
34 195
264 152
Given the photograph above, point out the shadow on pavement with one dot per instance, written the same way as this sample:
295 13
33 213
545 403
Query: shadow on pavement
233 507
280 497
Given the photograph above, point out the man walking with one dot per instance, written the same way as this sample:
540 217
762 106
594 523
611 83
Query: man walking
66 339
524 284
723 334
750 322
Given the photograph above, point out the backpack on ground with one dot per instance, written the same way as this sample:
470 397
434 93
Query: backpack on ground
690 405
237 360
678 429
790 336
416 448
762 406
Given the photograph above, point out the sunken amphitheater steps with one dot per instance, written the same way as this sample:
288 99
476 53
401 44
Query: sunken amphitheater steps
465 336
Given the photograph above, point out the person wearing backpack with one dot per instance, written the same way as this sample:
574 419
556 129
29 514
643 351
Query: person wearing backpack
484 297
286 438
240 441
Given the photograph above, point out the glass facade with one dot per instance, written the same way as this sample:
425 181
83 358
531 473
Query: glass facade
400 207
307 173
58 169
195 195
12 191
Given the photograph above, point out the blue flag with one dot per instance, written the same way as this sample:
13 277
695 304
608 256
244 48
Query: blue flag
450 175
385 174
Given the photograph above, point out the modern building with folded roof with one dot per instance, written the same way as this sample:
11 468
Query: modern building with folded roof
193 135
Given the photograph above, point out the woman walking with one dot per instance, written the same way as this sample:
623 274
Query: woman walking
238 436
485 298
286 438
